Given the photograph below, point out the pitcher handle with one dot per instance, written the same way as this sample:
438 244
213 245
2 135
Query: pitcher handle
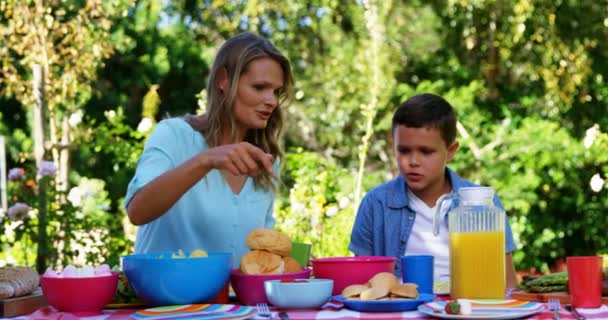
438 206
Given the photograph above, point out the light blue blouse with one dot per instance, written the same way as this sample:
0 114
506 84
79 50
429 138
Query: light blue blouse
210 215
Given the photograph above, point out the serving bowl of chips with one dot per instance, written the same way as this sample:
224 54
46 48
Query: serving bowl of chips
173 278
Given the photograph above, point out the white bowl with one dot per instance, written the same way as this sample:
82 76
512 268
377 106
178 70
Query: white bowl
301 294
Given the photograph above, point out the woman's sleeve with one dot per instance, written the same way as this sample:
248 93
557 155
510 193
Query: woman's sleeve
155 159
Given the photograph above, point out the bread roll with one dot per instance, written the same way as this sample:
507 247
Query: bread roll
405 290
374 293
269 240
17 281
291 265
384 280
6 290
262 262
354 290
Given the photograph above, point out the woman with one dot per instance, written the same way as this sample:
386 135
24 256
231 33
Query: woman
206 181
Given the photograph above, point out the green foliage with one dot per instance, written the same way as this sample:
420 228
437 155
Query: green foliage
317 207
77 230
82 229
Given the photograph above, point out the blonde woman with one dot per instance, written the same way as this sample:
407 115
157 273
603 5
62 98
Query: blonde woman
206 181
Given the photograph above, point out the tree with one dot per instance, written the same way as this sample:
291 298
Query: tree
69 40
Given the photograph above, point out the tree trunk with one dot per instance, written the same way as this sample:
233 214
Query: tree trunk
64 158
3 174
39 150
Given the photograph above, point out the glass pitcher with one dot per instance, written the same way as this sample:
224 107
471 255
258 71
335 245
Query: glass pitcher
477 244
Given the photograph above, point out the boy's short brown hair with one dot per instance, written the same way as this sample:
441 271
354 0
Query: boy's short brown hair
427 110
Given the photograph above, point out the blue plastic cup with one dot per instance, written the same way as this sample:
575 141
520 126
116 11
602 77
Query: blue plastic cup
419 270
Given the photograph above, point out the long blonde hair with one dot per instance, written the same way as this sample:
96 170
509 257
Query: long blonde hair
235 55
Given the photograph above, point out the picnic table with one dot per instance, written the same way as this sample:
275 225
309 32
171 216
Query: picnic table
123 314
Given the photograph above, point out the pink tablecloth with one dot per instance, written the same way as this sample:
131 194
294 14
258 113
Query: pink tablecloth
123 314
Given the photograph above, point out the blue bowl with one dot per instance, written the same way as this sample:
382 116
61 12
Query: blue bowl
299 294
159 280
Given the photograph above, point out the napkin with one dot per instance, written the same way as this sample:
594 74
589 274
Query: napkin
50 313
196 311
332 304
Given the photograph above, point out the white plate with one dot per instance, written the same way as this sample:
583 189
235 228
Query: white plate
516 313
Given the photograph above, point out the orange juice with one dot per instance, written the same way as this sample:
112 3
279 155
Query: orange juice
477 265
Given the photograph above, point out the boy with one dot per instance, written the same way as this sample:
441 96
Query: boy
396 218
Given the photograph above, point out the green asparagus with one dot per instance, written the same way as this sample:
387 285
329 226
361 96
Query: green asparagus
552 282
559 278
544 289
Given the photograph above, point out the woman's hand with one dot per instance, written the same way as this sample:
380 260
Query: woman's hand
160 194
239 159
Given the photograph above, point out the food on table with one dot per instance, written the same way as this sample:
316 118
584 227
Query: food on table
374 293
198 253
180 254
269 240
291 280
552 282
460 306
17 281
466 307
71 271
477 267
383 279
262 262
354 290
291 265
383 285
269 254
405 290
124 291
452 307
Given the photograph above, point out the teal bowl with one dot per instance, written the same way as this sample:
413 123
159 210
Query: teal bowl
298 293
159 280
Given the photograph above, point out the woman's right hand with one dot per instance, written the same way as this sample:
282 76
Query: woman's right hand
239 159
157 197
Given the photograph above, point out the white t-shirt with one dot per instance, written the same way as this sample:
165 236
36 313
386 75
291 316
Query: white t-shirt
423 242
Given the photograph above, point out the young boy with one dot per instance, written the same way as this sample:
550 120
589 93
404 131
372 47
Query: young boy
396 218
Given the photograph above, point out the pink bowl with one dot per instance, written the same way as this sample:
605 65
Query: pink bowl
80 296
249 288
351 270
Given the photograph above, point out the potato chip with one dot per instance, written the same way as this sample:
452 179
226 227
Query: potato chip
198 253
180 254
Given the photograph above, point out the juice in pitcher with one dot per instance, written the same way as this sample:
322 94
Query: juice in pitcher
477 264
477 243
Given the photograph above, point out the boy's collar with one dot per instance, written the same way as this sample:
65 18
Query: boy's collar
397 195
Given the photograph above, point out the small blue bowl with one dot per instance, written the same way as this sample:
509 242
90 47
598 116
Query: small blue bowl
298 293
159 280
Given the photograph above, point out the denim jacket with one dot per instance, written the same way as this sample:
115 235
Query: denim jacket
384 220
